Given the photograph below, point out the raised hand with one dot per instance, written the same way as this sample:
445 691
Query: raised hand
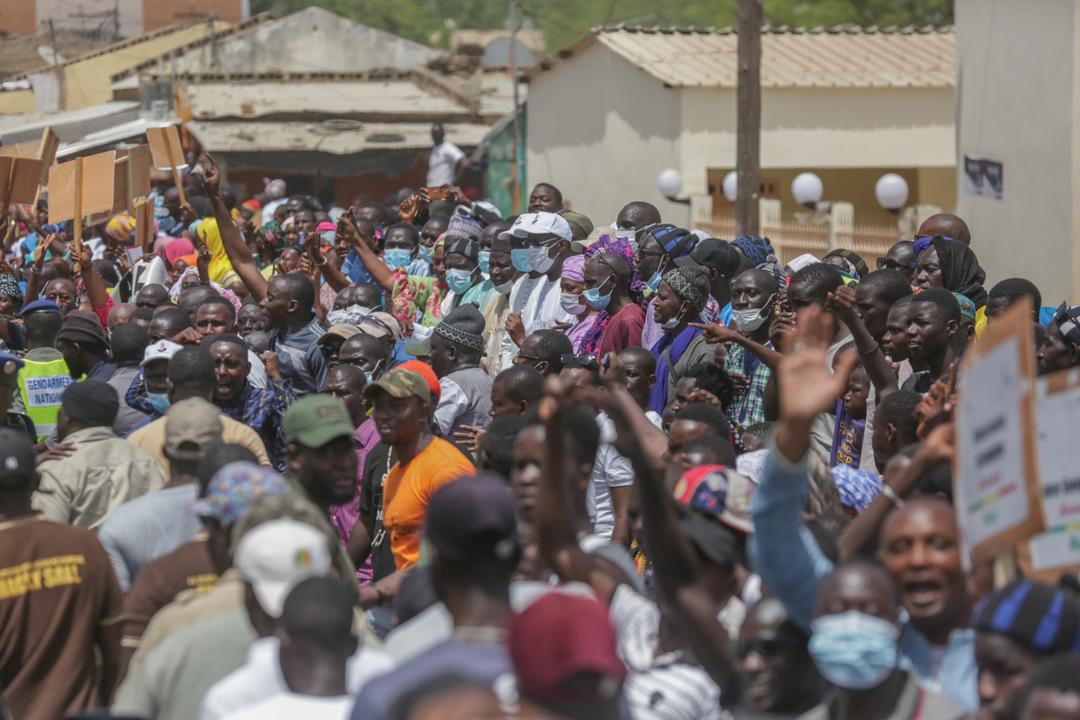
211 176
469 437
842 303
716 333
807 388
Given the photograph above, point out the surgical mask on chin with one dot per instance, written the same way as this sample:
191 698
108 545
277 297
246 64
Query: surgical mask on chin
673 322
749 320
595 300
158 401
539 260
853 650
571 303
505 288
426 253
483 260
397 258
458 280
519 258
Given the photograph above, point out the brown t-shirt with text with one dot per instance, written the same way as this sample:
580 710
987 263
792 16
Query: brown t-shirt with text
188 567
57 587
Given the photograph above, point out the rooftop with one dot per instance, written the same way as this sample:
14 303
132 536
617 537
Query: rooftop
28 52
842 56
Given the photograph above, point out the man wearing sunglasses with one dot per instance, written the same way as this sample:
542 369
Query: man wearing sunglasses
778 675
901 258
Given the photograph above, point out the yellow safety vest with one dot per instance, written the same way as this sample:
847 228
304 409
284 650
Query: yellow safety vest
40 386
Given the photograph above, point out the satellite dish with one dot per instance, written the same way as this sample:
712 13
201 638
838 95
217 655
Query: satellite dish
50 56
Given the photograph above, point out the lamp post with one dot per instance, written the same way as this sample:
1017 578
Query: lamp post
669 182
891 192
807 189
730 186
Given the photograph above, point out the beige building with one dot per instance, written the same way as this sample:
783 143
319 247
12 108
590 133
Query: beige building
113 19
1019 105
623 104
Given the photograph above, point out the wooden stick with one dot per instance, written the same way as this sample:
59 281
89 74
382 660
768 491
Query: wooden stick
5 192
76 243
175 172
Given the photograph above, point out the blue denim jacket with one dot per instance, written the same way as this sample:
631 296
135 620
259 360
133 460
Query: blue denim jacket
785 555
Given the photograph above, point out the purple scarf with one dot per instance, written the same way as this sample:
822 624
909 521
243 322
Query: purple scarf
675 346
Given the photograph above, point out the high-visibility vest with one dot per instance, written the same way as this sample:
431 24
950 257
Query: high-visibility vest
41 384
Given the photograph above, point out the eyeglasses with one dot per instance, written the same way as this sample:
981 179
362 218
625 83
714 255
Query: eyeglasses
886 263
523 359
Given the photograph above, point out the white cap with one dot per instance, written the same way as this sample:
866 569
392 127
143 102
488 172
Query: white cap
539 223
161 350
275 556
802 261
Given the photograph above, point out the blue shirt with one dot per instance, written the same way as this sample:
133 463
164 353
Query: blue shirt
300 357
785 555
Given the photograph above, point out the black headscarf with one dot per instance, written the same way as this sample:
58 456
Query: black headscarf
960 270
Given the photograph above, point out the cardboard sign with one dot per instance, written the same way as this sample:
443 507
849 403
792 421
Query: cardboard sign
132 177
19 178
996 471
1057 406
144 225
95 188
43 150
166 148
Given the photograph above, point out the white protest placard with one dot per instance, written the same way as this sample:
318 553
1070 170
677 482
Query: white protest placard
996 476
1057 417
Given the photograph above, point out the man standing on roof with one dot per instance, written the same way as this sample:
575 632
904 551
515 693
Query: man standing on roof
445 161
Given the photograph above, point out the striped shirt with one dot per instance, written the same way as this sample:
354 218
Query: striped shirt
668 687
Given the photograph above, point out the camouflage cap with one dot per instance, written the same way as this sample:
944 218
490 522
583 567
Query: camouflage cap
315 420
399 383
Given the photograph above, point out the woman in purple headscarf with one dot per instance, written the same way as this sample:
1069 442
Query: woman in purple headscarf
573 302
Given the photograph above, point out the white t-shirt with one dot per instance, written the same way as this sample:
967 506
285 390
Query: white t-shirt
290 706
544 307
260 678
442 164
610 470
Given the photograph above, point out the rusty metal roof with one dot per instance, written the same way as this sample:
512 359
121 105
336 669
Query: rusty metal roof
333 136
843 56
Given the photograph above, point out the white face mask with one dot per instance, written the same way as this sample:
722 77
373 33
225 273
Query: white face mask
749 320
674 321
571 303
539 260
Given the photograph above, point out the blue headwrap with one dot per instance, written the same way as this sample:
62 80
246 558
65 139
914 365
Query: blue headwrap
922 242
756 249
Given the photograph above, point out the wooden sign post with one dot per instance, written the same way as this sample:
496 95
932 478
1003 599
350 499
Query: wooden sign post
168 153
998 498
144 224
81 187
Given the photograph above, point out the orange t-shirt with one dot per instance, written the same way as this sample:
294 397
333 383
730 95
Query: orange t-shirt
407 491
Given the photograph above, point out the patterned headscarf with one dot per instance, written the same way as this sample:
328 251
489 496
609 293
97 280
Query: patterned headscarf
967 307
690 284
178 287
274 235
756 249
465 246
621 247
10 286
858 488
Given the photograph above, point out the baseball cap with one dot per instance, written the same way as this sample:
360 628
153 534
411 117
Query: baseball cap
560 638
425 371
192 427
17 459
710 253
315 420
80 326
473 518
341 330
579 219
714 541
380 324
39 306
277 555
538 223
233 487
399 383
161 350
719 493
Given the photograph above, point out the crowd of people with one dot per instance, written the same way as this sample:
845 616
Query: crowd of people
418 460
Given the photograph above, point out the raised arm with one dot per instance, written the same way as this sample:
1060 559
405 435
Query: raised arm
375 266
715 333
554 510
842 303
235 248
95 286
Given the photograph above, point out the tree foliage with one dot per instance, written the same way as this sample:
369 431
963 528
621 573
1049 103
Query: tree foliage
562 22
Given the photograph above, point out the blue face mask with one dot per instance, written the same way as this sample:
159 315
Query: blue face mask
654 281
397 258
158 401
484 261
426 253
519 258
854 650
458 280
595 300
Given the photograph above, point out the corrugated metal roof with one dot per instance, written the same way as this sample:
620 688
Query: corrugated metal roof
209 100
836 57
341 137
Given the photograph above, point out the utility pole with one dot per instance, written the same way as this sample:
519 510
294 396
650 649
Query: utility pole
748 120
56 67
517 164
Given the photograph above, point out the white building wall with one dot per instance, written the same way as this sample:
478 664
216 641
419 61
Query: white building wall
601 130
1018 105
